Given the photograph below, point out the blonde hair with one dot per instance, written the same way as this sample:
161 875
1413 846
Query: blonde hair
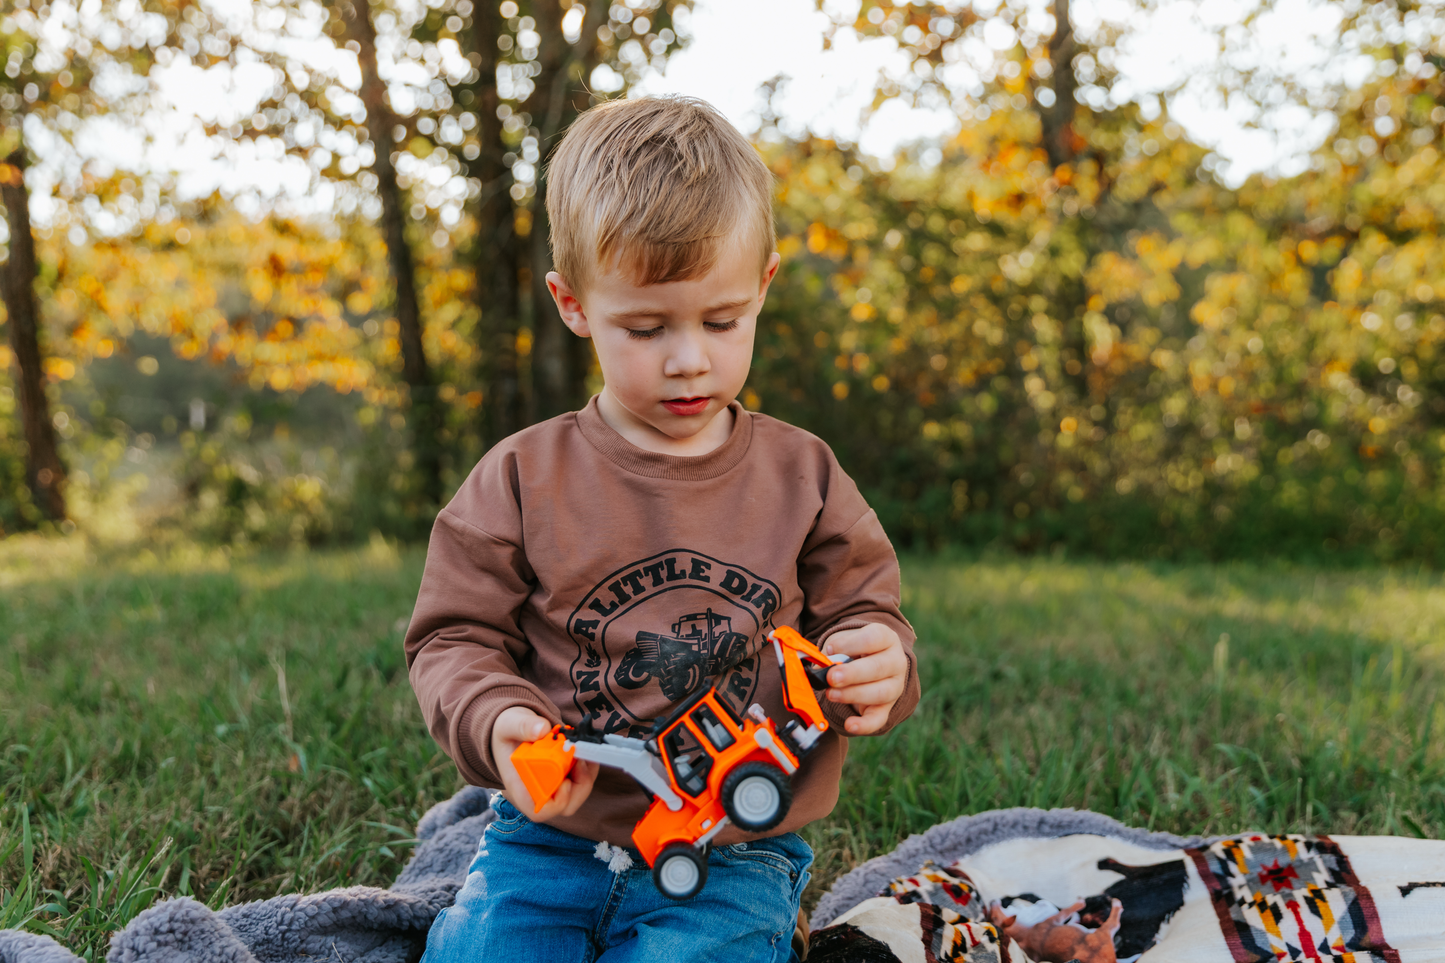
659 187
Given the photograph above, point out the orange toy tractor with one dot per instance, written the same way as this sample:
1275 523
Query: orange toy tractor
702 765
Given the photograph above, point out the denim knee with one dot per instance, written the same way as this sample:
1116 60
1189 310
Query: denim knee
531 893
537 892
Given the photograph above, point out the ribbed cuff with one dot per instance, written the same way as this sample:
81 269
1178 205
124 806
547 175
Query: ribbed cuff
844 626
908 699
474 730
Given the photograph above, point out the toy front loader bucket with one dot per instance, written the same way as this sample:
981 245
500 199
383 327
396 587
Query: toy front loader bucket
544 765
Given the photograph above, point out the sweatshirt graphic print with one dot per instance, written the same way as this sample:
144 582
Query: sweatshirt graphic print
677 615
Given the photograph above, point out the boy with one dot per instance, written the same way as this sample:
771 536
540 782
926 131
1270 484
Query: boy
610 561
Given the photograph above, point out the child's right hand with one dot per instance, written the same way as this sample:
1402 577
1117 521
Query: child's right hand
516 726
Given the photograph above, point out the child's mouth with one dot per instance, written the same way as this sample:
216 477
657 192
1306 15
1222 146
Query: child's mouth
686 406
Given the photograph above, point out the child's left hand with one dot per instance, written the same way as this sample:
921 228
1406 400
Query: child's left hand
873 679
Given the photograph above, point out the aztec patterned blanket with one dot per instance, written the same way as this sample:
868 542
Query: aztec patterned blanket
1108 894
1011 886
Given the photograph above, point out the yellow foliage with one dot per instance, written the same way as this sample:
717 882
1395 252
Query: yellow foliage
59 369
1115 278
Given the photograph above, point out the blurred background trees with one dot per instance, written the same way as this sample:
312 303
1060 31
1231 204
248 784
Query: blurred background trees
1092 343
1061 327
60 73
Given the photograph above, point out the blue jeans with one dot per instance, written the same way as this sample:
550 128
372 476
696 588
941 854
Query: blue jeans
537 893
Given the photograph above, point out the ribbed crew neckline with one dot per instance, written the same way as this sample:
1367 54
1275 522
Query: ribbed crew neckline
650 464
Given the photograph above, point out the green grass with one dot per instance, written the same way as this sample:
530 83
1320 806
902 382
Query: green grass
233 728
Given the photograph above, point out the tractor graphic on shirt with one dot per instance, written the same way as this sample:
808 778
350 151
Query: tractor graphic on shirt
701 645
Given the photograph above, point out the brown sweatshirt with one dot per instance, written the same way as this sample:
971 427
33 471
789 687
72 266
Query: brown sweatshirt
575 573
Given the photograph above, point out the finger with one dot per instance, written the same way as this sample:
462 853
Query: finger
516 794
860 642
555 806
869 668
871 719
582 778
886 691
558 803
571 794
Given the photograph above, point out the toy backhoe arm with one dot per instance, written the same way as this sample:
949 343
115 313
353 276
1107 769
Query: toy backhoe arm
798 687
544 764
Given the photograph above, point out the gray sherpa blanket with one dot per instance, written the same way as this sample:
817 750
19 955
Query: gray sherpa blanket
358 924
1009 886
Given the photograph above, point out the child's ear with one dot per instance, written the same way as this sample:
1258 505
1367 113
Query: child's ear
769 272
567 305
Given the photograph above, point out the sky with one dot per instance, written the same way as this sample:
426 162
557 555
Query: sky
1176 45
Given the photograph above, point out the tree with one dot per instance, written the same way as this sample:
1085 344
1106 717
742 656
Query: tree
56 60
416 372
312 105
1057 118
44 471
486 127
523 99
559 96
1122 350
495 250
531 69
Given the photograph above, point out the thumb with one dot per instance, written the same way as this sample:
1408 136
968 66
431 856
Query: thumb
532 726
522 725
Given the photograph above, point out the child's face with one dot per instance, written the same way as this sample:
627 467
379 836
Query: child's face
673 355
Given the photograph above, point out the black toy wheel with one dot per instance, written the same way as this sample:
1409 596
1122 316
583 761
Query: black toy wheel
680 871
756 796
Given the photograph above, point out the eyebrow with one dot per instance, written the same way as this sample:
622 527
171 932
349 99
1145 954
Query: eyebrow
643 313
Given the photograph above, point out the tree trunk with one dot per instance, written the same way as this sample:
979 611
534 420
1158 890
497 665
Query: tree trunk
1058 118
561 359
1057 121
425 406
44 472
497 255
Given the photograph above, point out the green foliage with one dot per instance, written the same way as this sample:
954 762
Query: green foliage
238 488
238 493
17 508
231 727
386 494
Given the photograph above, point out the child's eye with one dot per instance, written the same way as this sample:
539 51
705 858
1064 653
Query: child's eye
721 325
644 334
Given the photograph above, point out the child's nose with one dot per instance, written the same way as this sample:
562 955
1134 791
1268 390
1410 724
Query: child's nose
688 357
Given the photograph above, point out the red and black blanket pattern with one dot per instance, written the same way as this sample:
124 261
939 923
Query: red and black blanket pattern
1097 898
